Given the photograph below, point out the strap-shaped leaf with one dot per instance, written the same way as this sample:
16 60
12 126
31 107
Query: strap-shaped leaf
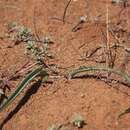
32 75
73 73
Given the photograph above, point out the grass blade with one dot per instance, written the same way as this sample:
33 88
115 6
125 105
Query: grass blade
32 75
73 73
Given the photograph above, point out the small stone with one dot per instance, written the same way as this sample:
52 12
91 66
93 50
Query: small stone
83 19
82 95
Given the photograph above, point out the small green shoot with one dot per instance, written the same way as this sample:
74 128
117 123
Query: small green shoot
38 49
52 128
78 121
18 33
38 52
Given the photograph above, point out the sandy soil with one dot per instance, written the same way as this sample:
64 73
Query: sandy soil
98 102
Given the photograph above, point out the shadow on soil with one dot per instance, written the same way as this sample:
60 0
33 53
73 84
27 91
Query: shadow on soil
108 81
32 90
102 78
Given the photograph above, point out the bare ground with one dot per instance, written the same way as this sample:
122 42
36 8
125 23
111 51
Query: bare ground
56 103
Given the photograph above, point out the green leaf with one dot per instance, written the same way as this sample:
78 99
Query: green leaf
73 73
32 75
